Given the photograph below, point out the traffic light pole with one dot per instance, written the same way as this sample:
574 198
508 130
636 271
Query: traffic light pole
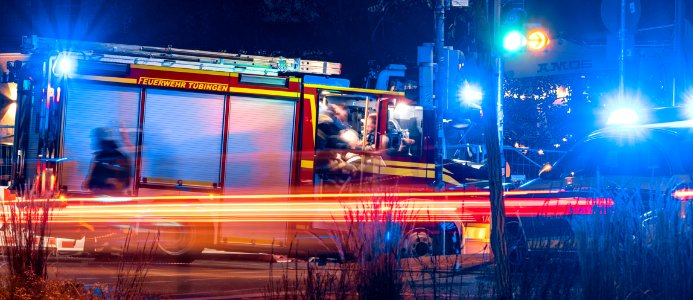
493 128
441 81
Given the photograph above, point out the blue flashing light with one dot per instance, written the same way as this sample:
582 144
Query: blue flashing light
471 94
65 65
623 116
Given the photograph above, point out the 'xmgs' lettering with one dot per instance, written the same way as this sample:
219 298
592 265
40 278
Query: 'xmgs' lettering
569 65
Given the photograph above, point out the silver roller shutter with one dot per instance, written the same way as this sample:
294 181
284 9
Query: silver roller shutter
90 106
182 137
260 143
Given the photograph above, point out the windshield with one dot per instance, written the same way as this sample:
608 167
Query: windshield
651 153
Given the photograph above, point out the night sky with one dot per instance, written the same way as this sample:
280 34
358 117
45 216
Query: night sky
348 31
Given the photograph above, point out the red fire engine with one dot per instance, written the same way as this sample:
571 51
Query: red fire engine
201 128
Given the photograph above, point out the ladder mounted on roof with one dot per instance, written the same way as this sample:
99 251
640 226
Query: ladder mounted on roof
179 58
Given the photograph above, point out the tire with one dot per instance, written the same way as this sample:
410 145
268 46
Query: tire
182 242
448 241
418 243
518 254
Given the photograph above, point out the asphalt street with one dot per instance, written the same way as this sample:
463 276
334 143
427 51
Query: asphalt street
222 275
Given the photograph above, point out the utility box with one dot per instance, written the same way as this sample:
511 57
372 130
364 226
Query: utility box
426 69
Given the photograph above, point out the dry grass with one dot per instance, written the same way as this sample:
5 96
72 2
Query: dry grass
634 254
641 248
133 268
621 252
369 255
25 258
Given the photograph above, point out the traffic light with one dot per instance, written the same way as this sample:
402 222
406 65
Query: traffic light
516 34
513 17
455 62
514 41
530 37
537 39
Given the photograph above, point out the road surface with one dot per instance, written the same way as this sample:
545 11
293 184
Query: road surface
217 276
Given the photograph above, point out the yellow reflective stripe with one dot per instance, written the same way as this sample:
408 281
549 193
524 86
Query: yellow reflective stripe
193 71
395 163
358 90
447 178
306 164
390 169
313 111
263 92
106 78
236 240
294 79
175 181
406 172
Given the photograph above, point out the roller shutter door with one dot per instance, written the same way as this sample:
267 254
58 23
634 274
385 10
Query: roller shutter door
182 137
260 143
90 106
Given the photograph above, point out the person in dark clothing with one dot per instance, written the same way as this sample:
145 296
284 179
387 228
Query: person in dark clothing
331 123
331 159
110 170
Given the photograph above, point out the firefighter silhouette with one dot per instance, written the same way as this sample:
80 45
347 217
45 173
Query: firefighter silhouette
110 169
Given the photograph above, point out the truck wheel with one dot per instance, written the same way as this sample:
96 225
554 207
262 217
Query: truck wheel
418 243
448 240
183 242
518 255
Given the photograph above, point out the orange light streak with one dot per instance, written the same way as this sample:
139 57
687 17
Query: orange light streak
684 194
453 206
303 196
410 211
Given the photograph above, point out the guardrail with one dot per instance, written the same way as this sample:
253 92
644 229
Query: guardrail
525 163
528 162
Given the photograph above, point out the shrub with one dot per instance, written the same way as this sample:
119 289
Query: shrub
368 241
642 249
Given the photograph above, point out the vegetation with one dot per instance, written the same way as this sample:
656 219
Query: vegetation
640 251
25 257
369 245
618 252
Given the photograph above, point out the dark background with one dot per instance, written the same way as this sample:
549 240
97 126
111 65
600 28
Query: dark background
365 35
352 32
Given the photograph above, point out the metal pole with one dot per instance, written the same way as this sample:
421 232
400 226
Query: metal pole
679 78
622 54
494 141
498 68
440 82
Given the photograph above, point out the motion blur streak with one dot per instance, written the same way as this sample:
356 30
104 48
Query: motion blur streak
685 194
300 196
330 208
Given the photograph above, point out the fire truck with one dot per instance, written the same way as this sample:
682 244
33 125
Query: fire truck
199 124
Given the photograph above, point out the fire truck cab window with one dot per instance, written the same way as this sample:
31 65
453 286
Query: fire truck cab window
346 138
344 123
404 130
